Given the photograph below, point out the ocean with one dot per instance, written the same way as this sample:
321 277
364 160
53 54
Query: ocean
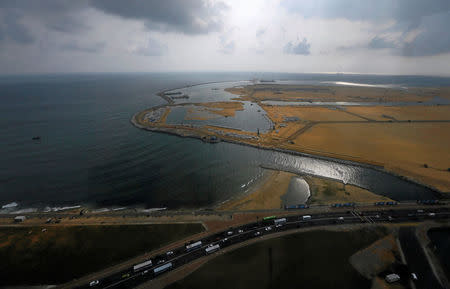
90 154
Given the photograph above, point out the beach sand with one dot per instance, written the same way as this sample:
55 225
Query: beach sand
266 196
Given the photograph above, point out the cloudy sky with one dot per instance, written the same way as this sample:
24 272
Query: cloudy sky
353 36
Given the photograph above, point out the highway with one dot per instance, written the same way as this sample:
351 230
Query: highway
180 256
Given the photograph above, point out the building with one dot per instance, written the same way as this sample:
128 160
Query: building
19 219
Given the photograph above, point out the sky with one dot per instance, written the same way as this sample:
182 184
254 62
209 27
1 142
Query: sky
317 36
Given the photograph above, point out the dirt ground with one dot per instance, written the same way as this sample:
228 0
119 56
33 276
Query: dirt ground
325 191
376 258
308 113
383 113
401 147
260 92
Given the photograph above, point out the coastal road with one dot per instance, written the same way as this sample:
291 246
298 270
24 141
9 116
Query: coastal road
417 261
180 256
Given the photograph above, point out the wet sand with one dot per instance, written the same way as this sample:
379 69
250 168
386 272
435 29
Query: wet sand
266 196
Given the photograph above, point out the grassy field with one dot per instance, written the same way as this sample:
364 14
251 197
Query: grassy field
316 259
31 257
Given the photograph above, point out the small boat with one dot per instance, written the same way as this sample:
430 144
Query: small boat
36 138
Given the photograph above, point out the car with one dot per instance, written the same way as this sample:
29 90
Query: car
419 211
240 231
93 283
341 219
229 233
126 275
414 276
278 225
258 233
169 253
431 214
390 218
225 239
268 228
377 216
161 261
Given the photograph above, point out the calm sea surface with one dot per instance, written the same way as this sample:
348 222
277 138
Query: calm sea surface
89 153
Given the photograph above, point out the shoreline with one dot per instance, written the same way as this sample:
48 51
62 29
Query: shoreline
186 132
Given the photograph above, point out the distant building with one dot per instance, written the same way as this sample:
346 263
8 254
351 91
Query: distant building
391 278
19 219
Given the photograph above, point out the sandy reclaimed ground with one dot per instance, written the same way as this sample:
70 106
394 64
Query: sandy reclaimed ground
266 196
377 135
210 110
401 147
323 192
383 113
260 92
308 113
326 191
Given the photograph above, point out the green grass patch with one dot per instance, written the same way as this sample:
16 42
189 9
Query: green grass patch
31 257
316 259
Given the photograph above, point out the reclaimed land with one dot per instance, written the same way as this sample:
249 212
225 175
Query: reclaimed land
409 141
327 191
55 254
314 260
267 195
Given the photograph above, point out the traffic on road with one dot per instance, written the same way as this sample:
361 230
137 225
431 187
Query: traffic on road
163 263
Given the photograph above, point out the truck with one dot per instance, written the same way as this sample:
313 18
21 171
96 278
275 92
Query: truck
279 221
193 246
306 217
142 265
212 249
163 268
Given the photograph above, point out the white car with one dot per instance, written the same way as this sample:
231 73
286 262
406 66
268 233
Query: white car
268 228
240 231
169 253
414 276
229 233
93 283
258 233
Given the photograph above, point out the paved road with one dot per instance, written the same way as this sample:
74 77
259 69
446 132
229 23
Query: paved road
417 261
130 278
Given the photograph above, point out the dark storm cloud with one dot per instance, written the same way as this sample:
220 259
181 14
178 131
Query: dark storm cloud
12 29
300 48
430 17
187 16
65 16
61 15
